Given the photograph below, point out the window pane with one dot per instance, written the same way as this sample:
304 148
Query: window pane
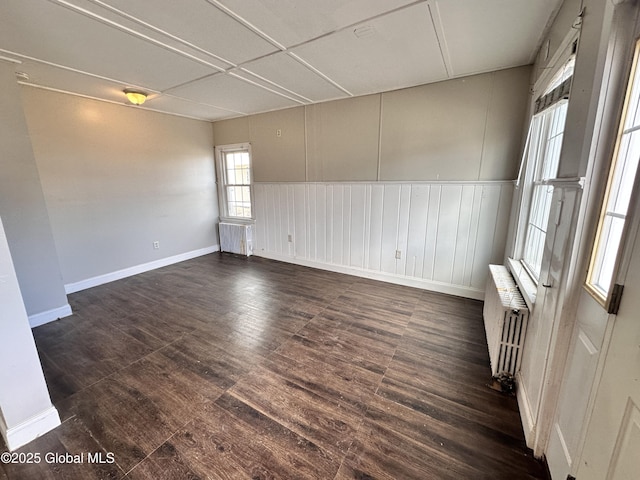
553 157
625 173
246 176
237 186
622 176
231 176
612 234
545 160
246 194
239 201
230 159
633 114
537 228
238 168
555 118
231 194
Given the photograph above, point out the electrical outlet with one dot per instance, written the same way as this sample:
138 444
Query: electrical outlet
289 238
156 245
278 132
398 254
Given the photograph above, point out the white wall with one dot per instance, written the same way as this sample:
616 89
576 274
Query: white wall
447 232
23 209
425 170
343 139
117 178
463 129
25 407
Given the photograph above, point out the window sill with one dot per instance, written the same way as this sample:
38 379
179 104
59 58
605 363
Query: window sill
237 220
528 288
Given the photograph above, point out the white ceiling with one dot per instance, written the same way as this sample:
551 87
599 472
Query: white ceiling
215 59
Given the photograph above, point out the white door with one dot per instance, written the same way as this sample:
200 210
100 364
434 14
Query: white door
583 378
612 444
577 389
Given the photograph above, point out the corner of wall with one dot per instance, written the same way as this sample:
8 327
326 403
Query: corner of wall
50 315
31 429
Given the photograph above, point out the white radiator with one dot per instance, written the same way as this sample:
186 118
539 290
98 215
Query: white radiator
505 321
236 238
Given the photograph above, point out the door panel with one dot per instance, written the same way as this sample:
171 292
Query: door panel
576 390
612 444
625 464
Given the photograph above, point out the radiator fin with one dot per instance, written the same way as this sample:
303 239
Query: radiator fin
236 238
505 321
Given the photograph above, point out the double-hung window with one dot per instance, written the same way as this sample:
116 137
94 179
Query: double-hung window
544 154
613 216
541 158
538 171
235 181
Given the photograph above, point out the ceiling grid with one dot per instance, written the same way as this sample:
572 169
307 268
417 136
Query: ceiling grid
216 59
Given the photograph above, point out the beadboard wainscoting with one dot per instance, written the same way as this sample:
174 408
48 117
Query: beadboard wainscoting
445 233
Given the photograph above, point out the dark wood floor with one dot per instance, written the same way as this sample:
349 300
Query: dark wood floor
233 368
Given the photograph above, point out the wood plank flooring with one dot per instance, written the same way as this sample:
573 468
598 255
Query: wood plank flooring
224 367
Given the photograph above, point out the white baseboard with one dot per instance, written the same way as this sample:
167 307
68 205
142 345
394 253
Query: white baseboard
458 290
526 415
49 316
136 269
16 437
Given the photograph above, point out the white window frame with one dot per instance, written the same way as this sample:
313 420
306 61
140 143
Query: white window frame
535 174
544 149
607 251
222 182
